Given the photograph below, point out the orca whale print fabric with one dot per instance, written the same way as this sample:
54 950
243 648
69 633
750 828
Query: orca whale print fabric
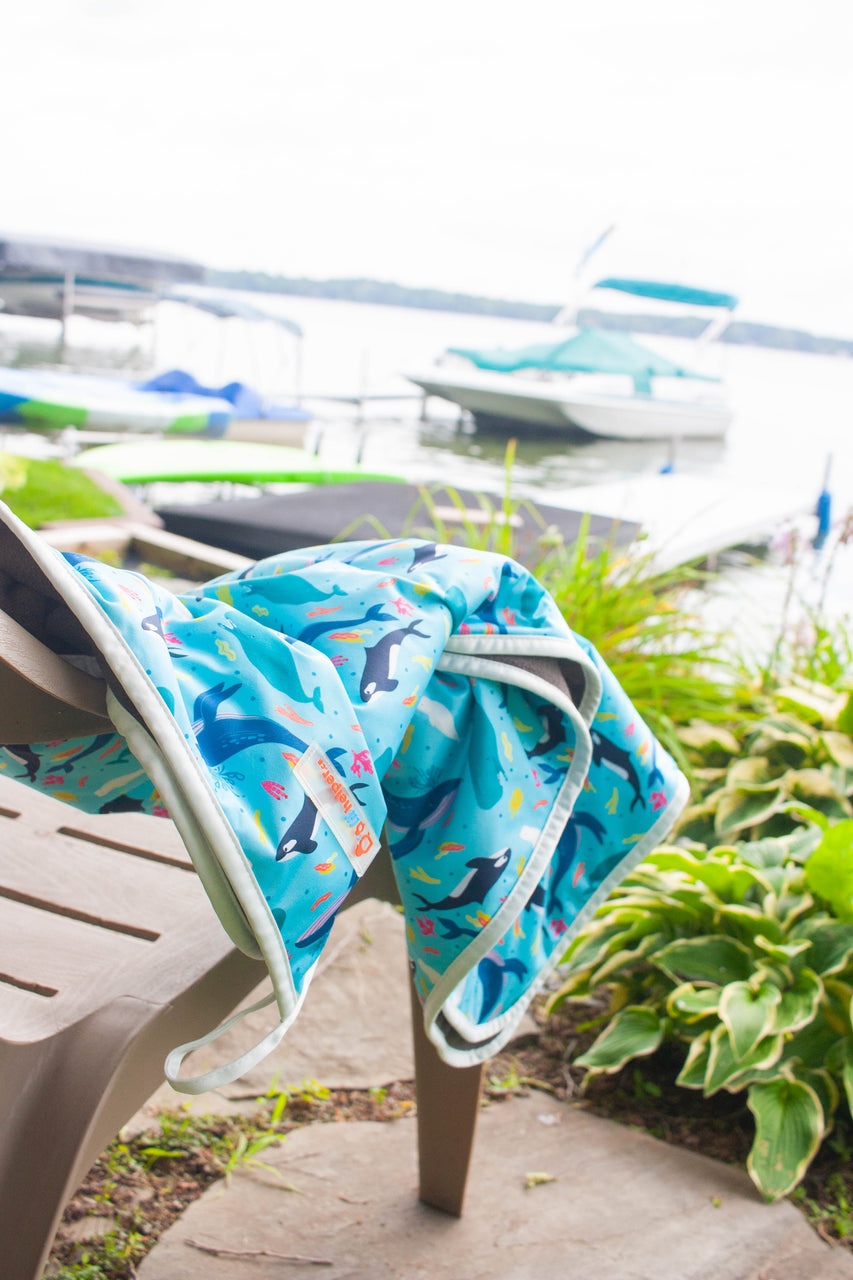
287 715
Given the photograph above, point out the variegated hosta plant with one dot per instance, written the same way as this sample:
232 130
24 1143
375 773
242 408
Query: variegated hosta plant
732 953
751 781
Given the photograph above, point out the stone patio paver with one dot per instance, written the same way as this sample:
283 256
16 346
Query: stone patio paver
623 1207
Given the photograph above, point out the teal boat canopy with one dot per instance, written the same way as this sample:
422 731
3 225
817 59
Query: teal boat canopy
588 351
683 293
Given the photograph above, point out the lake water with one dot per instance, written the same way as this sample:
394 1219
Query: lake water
792 411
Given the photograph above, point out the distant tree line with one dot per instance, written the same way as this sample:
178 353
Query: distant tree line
386 293
381 292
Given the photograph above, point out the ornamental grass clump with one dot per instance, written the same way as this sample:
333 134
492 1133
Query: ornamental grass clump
669 661
741 955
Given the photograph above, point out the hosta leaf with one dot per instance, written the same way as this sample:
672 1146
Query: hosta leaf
738 808
807 813
750 920
764 853
697 821
729 883
707 959
629 957
593 944
691 1004
791 906
845 717
576 987
789 1125
723 1067
787 723
635 1032
753 769
666 859
816 704
803 842
659 902
799 1003
782 951
829 871
692 1074
839 748
814 1042
817 789
783 747
838 1000
746 1011
694 899
709 776
710 739
819 1079
844 1063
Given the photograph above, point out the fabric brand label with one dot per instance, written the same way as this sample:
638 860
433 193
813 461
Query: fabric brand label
338 807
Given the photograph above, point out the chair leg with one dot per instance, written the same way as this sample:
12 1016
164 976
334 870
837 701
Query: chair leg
448 1102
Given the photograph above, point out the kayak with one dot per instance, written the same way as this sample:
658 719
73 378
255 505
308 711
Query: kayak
47 399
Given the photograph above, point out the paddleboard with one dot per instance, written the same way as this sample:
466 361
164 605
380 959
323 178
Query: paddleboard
146 462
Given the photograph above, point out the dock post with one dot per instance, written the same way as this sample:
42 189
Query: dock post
67 308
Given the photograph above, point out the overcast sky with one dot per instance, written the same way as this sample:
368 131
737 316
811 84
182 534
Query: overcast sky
475 145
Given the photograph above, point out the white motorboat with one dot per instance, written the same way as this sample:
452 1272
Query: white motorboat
596 381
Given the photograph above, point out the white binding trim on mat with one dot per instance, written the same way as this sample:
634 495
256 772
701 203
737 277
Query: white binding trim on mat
160 740
438 1002
230 1071
535 646
480 1049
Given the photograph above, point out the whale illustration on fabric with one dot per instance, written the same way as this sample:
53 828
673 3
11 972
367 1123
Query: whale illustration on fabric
220 735
318 930
380 661
23 755
426 553
493 971
97 744
154 622
484 874
122 804
606 753
296 590
488 774
374 614
567 852
413 815
450 929
299 836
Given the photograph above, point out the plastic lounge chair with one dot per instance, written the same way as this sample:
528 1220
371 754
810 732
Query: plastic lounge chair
110 954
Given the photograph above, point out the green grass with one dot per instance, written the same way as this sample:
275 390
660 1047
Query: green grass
38 491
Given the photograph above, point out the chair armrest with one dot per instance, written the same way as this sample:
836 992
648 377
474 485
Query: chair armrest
41 695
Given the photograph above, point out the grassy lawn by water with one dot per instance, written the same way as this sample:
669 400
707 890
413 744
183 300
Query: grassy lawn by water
42 490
